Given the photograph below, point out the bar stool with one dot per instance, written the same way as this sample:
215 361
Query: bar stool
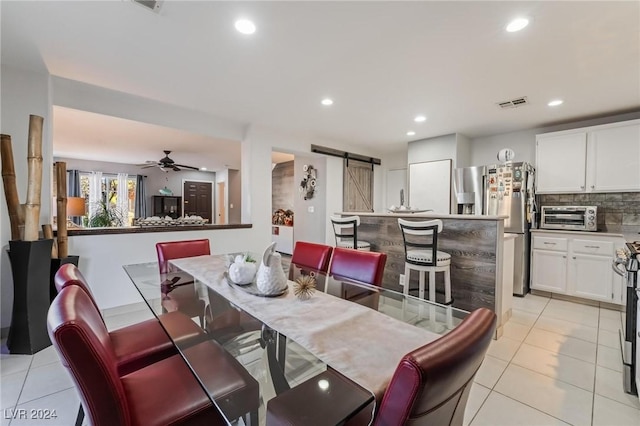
346 231
421 253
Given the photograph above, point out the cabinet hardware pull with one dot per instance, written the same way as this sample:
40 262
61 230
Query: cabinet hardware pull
593 186
553 244
574 258
581 186
564 257
596 247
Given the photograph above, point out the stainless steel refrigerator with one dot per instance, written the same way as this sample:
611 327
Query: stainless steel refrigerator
507 190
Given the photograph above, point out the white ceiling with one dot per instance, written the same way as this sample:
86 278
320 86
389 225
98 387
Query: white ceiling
382 62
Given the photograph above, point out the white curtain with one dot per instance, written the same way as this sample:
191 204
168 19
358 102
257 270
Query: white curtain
122 204
95 192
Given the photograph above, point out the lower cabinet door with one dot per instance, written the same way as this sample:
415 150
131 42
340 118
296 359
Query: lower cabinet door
549 271
592 277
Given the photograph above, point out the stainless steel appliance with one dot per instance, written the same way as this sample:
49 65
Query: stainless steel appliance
569 218
507 190
469 188
626 264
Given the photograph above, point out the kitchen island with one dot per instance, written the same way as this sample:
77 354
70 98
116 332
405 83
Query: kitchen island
475 243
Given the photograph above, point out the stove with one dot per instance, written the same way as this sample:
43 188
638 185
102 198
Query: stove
629 257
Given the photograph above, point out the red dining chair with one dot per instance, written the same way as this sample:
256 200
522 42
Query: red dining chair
431 384
187 300
311 256
163 393
363 266
140 344
170 250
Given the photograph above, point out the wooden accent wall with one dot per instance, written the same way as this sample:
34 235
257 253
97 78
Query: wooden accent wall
472 244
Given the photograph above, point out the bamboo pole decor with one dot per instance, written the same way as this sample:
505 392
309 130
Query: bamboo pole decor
47 233
16 212
34 179
61 206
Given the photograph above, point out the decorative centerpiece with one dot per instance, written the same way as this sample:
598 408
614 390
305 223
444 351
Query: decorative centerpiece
242 270
271 278
304 287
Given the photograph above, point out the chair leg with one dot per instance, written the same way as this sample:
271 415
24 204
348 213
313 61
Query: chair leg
421 290
432 285
407 279
447 285
80 416
251 419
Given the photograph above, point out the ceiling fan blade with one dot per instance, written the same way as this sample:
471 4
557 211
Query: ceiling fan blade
146 166
182 166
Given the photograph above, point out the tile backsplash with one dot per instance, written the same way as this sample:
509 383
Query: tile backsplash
620 208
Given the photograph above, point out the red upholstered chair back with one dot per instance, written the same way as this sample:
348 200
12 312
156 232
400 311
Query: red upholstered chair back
431 385
180 249
363 266
82 342
312 255
69 274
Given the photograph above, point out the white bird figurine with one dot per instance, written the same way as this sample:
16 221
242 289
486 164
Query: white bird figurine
271 278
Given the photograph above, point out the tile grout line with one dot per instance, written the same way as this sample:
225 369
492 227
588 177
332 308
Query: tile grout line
505 369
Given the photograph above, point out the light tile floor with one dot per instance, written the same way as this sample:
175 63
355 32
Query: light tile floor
558 363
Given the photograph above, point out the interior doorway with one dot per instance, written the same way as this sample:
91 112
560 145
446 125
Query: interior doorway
221 205
197 196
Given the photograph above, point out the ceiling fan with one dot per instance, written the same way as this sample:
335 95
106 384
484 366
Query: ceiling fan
166 164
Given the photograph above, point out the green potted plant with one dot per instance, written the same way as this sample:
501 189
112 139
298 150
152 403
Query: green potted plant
105 215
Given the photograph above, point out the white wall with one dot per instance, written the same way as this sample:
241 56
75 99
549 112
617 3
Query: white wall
86 97
432 149
22 93
310 226
102 257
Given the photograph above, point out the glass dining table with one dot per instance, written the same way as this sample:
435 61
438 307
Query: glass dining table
346 329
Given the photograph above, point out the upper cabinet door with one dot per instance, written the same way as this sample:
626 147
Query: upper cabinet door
561 163
614 159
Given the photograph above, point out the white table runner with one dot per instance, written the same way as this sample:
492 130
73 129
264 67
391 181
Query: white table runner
361 343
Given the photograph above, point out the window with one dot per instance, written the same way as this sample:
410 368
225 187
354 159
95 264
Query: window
109 191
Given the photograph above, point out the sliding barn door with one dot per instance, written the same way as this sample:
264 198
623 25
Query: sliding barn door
358 186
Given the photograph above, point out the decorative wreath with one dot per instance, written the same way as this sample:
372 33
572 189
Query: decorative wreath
308 183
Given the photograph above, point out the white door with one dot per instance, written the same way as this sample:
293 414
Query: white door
549 271
561 163
614 154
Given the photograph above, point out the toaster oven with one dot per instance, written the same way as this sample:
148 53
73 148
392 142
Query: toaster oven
570 218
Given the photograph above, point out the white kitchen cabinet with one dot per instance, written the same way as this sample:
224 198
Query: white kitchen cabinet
576 264
550 271
615 159
603 158
561 162
592 277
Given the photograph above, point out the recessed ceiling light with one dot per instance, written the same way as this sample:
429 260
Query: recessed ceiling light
555 102
245 26
411 133
517 24
326 102
420 118
203 168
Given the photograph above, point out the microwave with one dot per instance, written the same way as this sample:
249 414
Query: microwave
570 218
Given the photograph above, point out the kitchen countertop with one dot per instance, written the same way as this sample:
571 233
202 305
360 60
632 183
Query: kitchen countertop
629 232
426 215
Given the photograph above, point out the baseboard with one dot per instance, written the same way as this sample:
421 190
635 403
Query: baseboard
580 300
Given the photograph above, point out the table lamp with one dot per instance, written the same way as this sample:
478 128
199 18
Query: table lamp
75 207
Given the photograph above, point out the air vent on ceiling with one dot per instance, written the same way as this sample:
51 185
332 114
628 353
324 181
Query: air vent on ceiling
514 103
153 5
